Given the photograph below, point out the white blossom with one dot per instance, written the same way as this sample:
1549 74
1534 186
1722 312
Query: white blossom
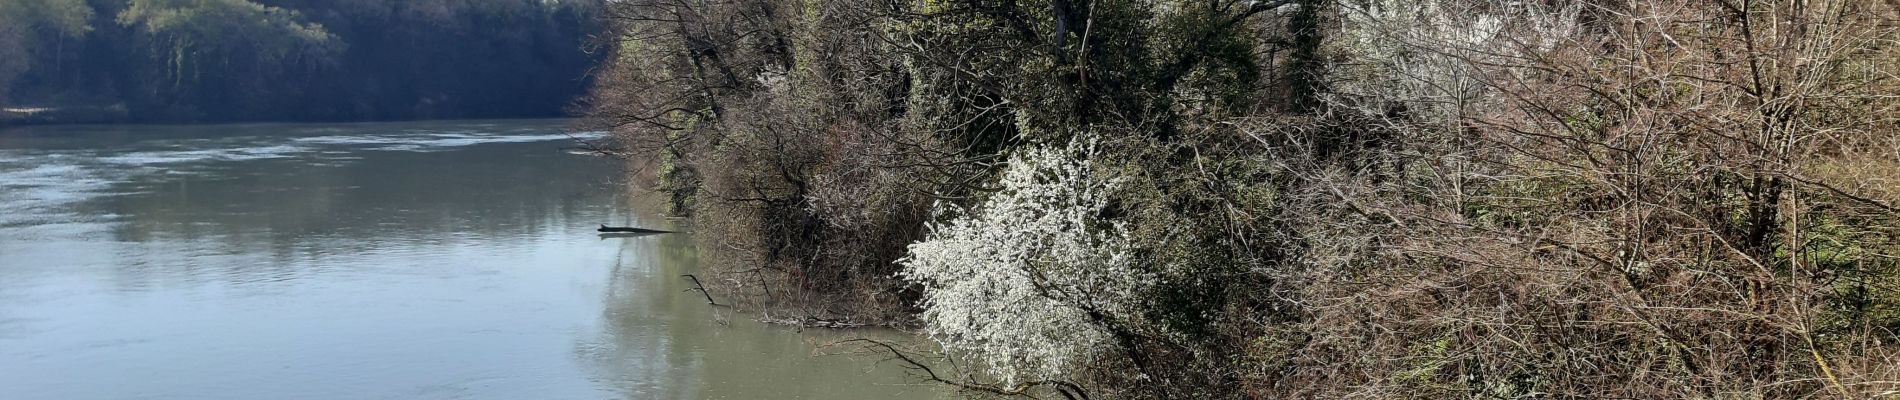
1014 280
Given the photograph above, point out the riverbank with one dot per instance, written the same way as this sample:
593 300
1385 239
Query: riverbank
45 117
22 116
1301 198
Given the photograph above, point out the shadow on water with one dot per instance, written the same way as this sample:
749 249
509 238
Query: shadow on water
655 321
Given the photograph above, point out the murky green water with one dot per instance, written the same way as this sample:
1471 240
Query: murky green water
362 261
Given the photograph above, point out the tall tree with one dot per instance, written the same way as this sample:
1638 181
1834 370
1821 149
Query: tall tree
224 54
25 24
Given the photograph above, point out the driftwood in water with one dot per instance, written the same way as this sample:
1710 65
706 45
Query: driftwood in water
701 289
605 236
624 229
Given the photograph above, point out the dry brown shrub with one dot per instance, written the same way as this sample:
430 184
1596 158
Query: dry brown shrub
1635 210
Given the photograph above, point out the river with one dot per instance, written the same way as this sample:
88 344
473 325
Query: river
430 260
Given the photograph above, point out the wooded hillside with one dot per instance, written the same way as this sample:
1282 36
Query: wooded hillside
220 60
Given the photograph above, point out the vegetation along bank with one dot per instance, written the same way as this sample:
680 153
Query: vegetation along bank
1297 198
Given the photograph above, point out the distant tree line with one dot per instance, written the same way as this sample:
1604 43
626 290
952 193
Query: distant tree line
212 60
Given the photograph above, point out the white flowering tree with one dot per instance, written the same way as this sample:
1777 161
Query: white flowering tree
1031 280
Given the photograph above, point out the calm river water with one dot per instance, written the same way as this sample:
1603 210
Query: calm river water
363 261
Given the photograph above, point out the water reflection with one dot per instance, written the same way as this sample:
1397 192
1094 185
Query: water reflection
658 331
408 260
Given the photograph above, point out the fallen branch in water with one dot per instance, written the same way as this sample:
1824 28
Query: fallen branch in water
701 289
916 363
626 229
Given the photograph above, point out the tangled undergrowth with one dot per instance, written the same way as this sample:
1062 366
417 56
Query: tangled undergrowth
1299 198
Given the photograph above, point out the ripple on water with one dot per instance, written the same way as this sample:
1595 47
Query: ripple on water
225 154
42 185
39 191
437 140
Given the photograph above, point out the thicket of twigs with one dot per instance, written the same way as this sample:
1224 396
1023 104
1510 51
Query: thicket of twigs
1299 198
